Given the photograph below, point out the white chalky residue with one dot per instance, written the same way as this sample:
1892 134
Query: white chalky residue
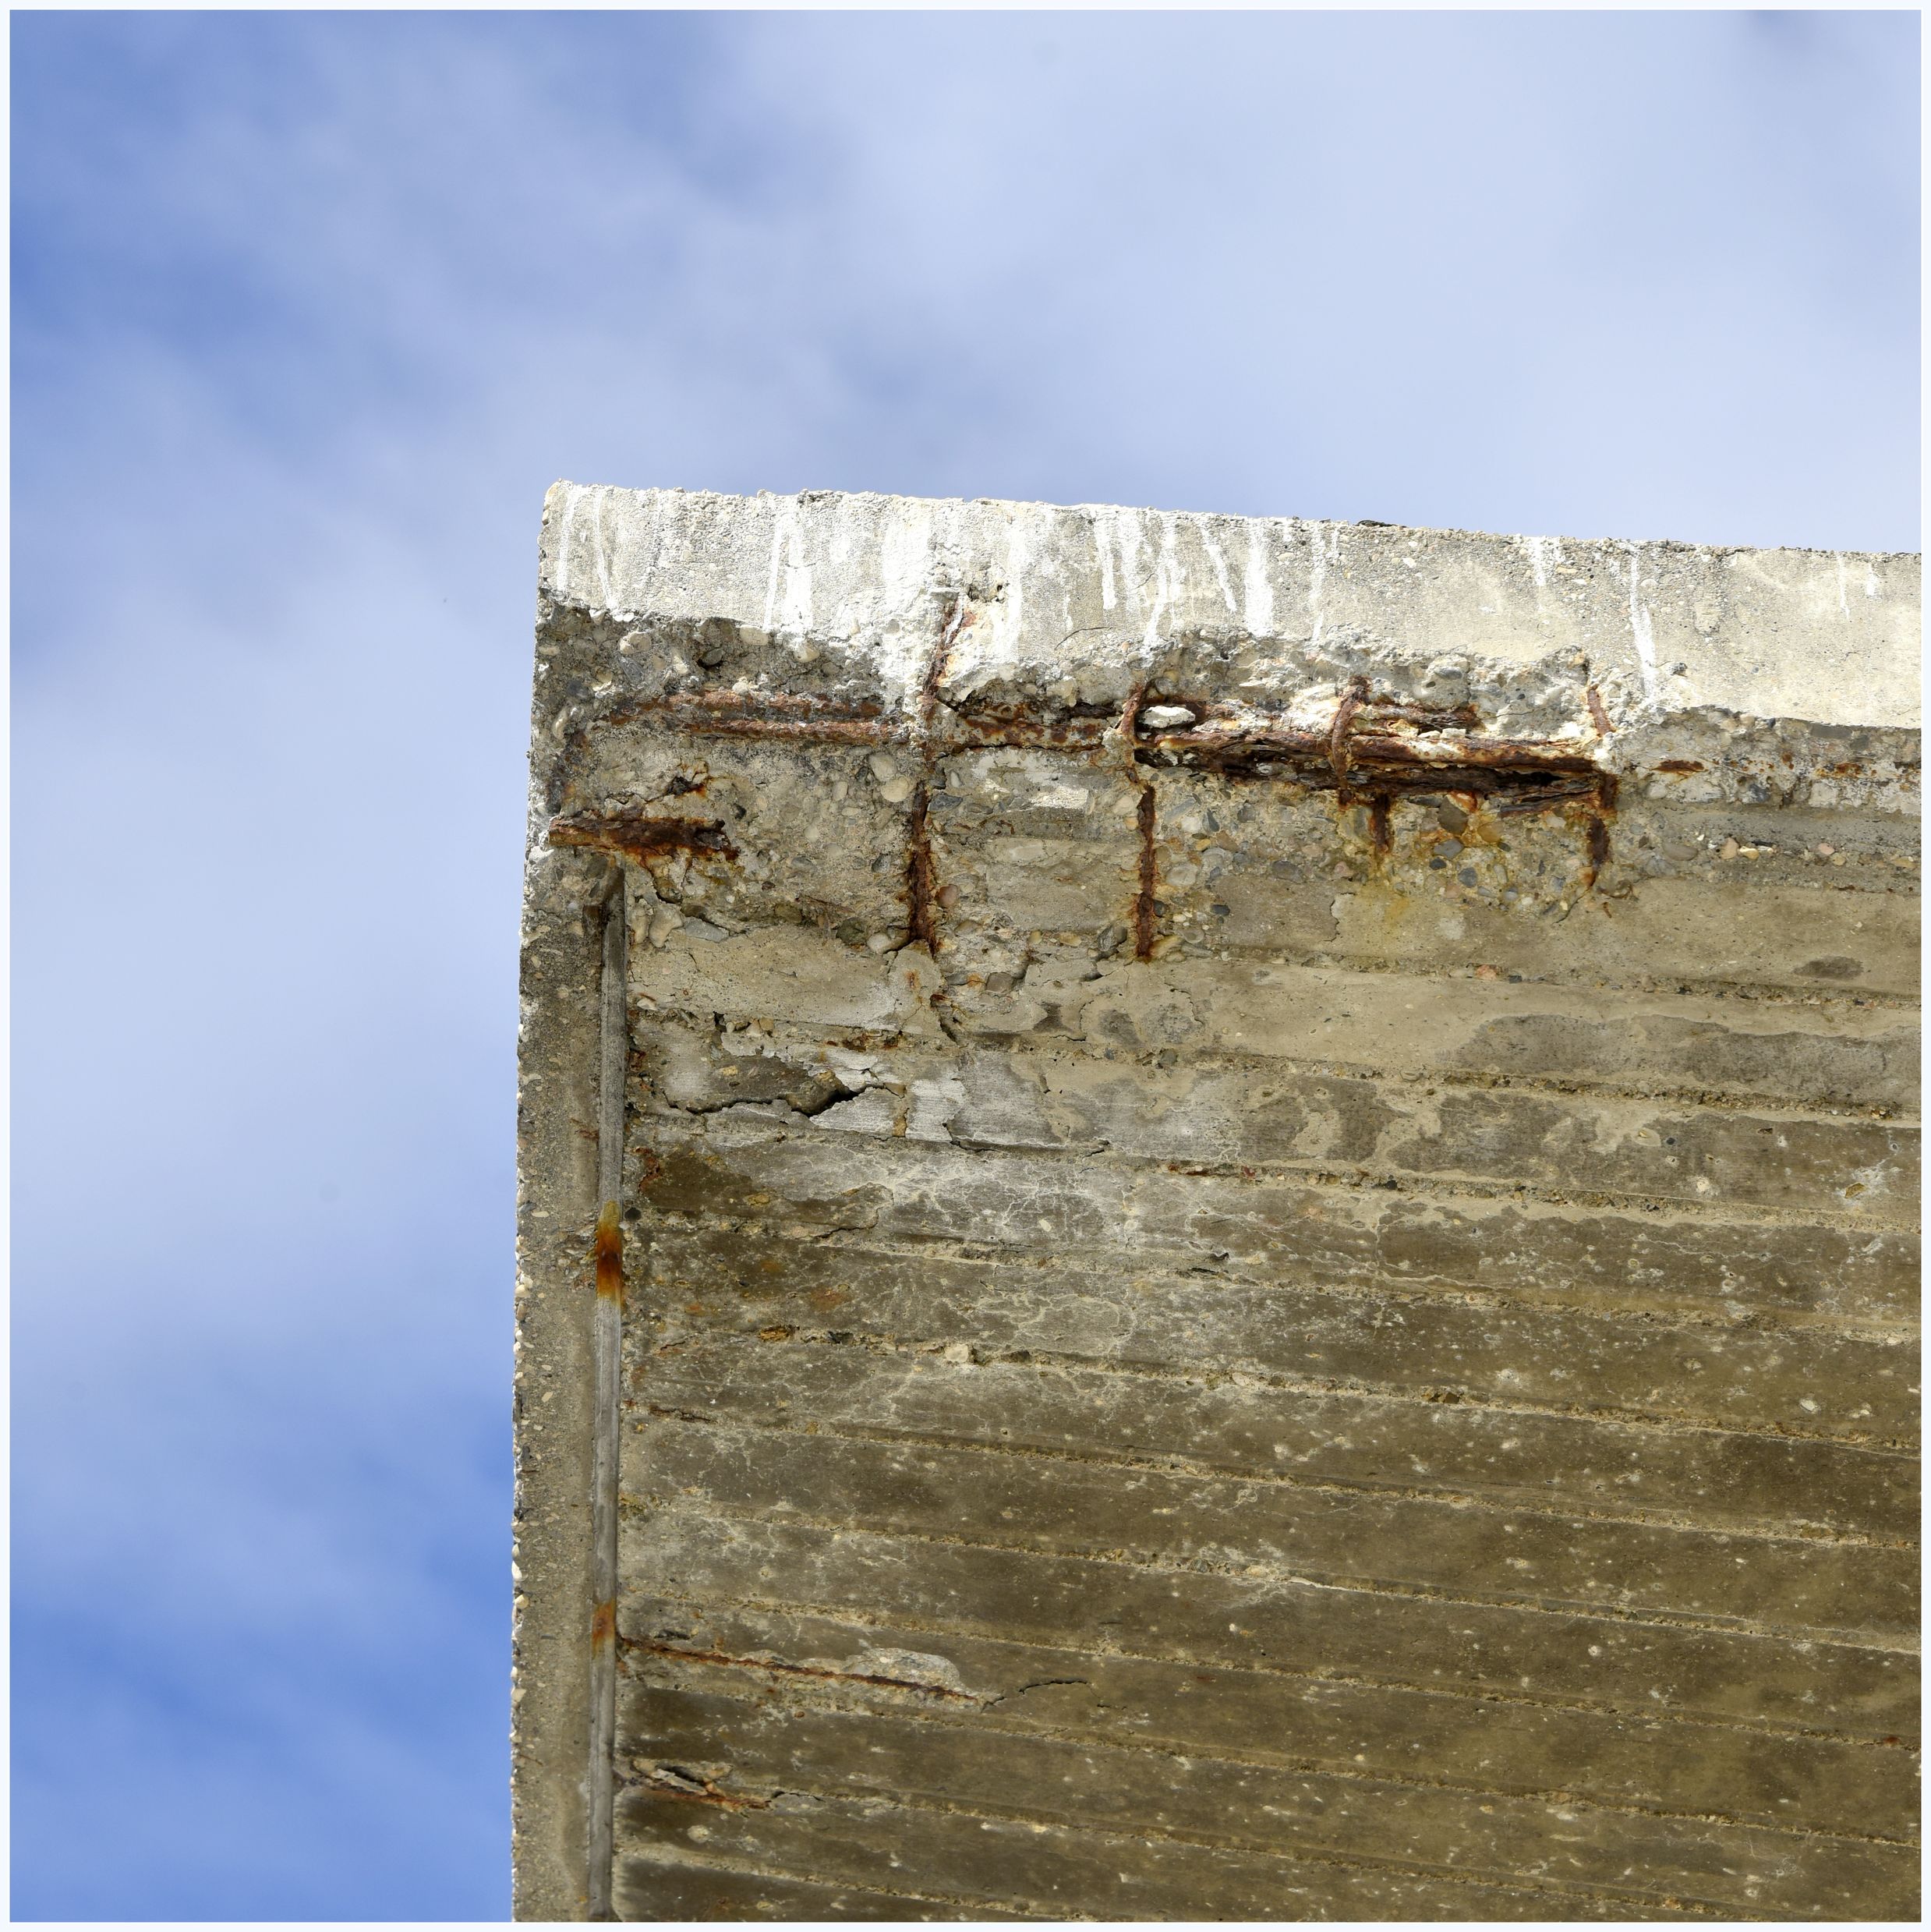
915 1667
905 573
1639 629
904 562
1538 549
1257 585
1012 612
788 602
563 528
777 563
1870 582
1326 549
1218 561
601 492
1166 581
1126 534
644 554
1105 550
1844 589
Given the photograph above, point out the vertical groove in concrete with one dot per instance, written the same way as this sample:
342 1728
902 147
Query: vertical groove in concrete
609 1346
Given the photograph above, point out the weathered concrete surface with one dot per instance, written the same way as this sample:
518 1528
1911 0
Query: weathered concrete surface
1270 1191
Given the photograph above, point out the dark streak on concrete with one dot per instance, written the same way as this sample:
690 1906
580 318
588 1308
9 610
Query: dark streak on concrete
1598 848
672 1781
1143 926
921 897
1358 754
1378 810
792 1670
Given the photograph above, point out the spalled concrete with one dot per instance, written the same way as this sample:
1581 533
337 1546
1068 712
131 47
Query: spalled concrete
1268 1210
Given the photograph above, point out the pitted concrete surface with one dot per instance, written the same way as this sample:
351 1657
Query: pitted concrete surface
1269 1203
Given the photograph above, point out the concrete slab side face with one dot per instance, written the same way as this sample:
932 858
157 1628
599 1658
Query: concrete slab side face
1266 1219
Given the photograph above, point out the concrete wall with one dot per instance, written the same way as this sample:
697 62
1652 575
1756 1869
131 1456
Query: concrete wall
1269 1218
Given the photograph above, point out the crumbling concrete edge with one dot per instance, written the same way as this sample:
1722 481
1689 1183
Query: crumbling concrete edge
884 608
566 894
1083 600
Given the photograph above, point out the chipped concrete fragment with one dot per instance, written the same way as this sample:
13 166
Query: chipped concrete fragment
1270 1180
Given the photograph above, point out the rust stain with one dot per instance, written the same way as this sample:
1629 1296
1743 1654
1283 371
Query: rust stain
1144 931
706 707
825 730
1376 749
1598 836
1679 764
1352 700
604 1624
632 831
1477 765
1426 717
928 710
986 726
608 1248
1120 739
672 1781
1378 808
921 891
1375 743
921 898
1540 793
1509 776
805 717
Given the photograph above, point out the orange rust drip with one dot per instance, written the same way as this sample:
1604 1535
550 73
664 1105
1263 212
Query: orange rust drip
1378 807
1144 929
604 1625
1598 848
609 1250
1352 700
634 832
1596 712
921 900
957 618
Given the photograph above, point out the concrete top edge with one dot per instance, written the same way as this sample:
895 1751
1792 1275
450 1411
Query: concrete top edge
1274 607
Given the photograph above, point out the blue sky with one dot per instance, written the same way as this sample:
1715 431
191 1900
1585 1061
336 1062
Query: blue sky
308 311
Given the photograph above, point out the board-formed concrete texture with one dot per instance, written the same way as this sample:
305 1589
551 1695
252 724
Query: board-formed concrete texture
1262 1218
